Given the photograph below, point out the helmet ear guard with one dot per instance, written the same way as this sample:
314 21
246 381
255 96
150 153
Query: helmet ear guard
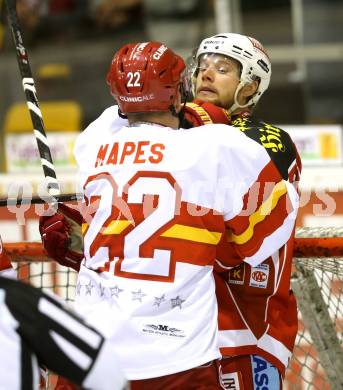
249 52
186 86
192 66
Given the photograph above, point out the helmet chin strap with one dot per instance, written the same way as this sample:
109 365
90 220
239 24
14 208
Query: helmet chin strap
172 109
123 116
235 99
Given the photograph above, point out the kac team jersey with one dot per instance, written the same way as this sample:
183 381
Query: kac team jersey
158 202
270 329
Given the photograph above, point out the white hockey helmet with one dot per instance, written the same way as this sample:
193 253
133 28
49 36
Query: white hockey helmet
251 55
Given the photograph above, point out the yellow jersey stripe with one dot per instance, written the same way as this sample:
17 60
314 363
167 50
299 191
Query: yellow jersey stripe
182 232
193 234
116 227
84 228
265 209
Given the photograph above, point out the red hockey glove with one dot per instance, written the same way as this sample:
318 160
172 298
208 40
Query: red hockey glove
5 262
65 384
62 236
200 113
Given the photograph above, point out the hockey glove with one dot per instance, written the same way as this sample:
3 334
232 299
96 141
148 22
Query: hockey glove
65 384
62 236
5 262
200 113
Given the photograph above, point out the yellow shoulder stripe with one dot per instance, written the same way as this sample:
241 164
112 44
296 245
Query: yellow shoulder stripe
115 227
193 234
265 209
182 232
84 228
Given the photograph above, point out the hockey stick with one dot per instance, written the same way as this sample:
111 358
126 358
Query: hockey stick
32 101
40 200
2 26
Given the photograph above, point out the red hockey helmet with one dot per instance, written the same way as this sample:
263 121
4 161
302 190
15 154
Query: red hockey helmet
145 77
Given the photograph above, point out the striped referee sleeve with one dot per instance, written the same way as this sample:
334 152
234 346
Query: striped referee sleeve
61 341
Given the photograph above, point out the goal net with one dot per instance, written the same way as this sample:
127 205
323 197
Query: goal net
317 281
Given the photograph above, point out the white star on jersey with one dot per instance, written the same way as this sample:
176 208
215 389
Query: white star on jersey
177 302
138 295
116 291
89 288
158 300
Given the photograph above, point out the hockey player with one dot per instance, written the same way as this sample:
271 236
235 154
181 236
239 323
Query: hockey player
159 203
232 71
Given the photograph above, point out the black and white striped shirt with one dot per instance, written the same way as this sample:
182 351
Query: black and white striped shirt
38 329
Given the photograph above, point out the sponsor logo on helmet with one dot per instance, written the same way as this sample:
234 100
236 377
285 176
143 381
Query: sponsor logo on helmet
138 50
217 42
136 99
142 46
158 53
263 65
257 45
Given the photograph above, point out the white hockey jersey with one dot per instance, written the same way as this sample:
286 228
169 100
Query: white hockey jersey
158 203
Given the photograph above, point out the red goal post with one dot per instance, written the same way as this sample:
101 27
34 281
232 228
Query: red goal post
305 246
317 281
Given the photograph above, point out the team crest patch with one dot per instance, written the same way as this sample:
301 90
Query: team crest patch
232 381
236 275
259 276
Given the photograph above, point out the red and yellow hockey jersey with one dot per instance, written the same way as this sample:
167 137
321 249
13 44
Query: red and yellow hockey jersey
257 309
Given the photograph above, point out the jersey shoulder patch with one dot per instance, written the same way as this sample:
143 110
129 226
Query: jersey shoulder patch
277 142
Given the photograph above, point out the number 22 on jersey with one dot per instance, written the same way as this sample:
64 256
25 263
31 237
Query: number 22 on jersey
118 228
